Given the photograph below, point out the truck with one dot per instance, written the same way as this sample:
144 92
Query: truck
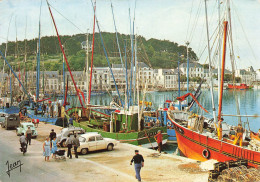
11 121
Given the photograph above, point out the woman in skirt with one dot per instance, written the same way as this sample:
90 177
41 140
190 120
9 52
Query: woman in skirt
46 149
54 147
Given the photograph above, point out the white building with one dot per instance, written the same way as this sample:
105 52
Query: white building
146 76
195 69
248 75
166 78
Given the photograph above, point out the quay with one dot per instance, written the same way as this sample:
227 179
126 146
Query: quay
105 166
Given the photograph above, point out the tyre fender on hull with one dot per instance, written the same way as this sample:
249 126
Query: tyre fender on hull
206 153
169 123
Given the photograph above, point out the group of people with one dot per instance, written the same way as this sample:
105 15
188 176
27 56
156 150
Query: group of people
50 146
52 110
26 139
235 134
72 142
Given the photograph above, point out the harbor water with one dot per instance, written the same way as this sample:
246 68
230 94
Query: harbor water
248 103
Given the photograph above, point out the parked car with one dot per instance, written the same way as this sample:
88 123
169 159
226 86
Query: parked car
65 132
93 141
23 128
2 118
10 121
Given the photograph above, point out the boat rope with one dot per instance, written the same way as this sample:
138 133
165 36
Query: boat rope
118 45
64 55
92 56
182 98
109 65
67 19
16 76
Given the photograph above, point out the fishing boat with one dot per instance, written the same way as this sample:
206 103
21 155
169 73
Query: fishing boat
242 86
120 125
203 144
126 121
196 134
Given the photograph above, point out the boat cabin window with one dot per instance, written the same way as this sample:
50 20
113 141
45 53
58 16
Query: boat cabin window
99 138
91 139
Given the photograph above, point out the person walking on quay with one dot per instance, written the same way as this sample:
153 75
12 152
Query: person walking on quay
239 135
69 143
46 149
23 140
52 135
139 163
29 135
76 144
54 147
158 138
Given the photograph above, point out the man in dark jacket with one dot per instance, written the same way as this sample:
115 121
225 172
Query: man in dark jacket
69 143
76 144
29 135
52 135
139 163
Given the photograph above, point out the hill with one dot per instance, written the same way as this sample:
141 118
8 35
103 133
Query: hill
156 53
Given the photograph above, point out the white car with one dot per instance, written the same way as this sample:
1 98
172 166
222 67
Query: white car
94 141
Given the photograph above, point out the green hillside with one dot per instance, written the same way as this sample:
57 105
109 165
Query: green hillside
155 53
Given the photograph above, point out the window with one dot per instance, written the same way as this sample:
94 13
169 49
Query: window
79 132
99 137
91 139
82 139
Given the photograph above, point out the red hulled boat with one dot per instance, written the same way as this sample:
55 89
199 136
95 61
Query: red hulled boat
196 135
242 86
203 146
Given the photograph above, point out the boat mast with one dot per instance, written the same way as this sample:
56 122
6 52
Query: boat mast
25 56
63 74
92 57
179 81
6 47
108 62
219 49
65 56
12 71
222 70
134 51
87 67
38 58
136 68
187 43
132 57
232 57
126 78
210 73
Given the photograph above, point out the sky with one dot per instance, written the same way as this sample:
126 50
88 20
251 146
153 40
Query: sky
174 20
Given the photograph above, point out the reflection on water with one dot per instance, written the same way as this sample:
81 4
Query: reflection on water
249 103
169 148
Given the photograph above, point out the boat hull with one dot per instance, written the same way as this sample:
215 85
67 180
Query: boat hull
144 138
241 86
193 145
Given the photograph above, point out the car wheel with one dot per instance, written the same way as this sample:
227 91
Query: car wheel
110 147
84 151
